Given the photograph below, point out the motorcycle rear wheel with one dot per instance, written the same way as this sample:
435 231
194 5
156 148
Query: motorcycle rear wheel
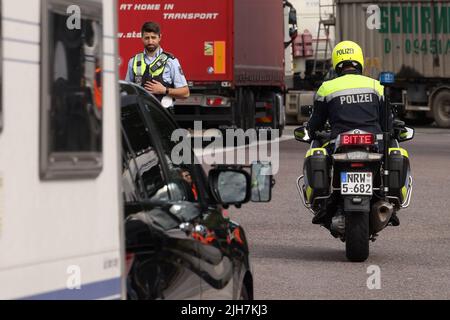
357 236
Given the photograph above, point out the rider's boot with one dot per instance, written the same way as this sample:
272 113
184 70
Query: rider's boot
394 221
318 218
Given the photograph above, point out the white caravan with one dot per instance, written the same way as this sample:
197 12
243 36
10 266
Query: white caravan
61 215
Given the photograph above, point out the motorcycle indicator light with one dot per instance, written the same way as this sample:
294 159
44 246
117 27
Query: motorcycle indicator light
357 139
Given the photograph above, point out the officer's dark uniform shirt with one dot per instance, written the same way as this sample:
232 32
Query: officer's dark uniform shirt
349 102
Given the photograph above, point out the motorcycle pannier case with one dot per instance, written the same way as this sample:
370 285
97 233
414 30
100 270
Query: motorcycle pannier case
317 173
399 172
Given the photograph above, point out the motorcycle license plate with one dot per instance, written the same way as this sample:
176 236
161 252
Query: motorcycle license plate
356 183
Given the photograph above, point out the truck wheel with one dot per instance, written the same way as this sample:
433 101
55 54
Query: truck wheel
441 108
275 113
278 122
418 118
357 236
239 109
249 109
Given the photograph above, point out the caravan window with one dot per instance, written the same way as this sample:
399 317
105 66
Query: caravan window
71 106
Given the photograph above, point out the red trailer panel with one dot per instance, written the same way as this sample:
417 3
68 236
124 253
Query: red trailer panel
259 42
231 50
197 32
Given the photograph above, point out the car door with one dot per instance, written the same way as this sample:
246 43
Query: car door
224 253
161 258
220 262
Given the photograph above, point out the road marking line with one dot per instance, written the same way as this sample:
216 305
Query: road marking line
199 151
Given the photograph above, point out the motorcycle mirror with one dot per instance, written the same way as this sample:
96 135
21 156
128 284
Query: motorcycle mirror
406 134
302 135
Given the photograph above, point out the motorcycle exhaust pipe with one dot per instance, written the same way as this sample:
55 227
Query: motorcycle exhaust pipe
381 214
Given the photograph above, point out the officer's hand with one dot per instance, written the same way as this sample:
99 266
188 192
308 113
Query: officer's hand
155 87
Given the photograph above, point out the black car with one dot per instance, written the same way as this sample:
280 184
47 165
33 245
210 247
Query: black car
179 244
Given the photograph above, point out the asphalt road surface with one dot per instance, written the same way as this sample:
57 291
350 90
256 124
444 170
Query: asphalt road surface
294 259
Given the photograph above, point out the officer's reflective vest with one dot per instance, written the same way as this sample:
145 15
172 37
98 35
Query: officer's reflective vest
154 71
351 101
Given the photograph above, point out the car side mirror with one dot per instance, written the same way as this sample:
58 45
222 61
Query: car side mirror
405 134
262 182
229 186
306 110
301 134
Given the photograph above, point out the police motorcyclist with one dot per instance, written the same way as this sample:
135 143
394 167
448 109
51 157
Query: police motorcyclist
159 72
350 101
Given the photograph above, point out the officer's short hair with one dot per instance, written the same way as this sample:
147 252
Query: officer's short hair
151 26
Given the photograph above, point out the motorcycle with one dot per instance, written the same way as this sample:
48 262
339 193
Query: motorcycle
357 189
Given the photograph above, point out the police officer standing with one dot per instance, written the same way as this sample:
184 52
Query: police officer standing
159 72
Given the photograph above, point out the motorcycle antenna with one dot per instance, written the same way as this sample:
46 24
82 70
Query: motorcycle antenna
387 79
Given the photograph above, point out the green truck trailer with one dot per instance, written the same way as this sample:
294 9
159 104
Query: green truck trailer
410 38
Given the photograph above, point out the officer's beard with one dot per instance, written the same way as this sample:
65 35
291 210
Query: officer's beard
151 49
